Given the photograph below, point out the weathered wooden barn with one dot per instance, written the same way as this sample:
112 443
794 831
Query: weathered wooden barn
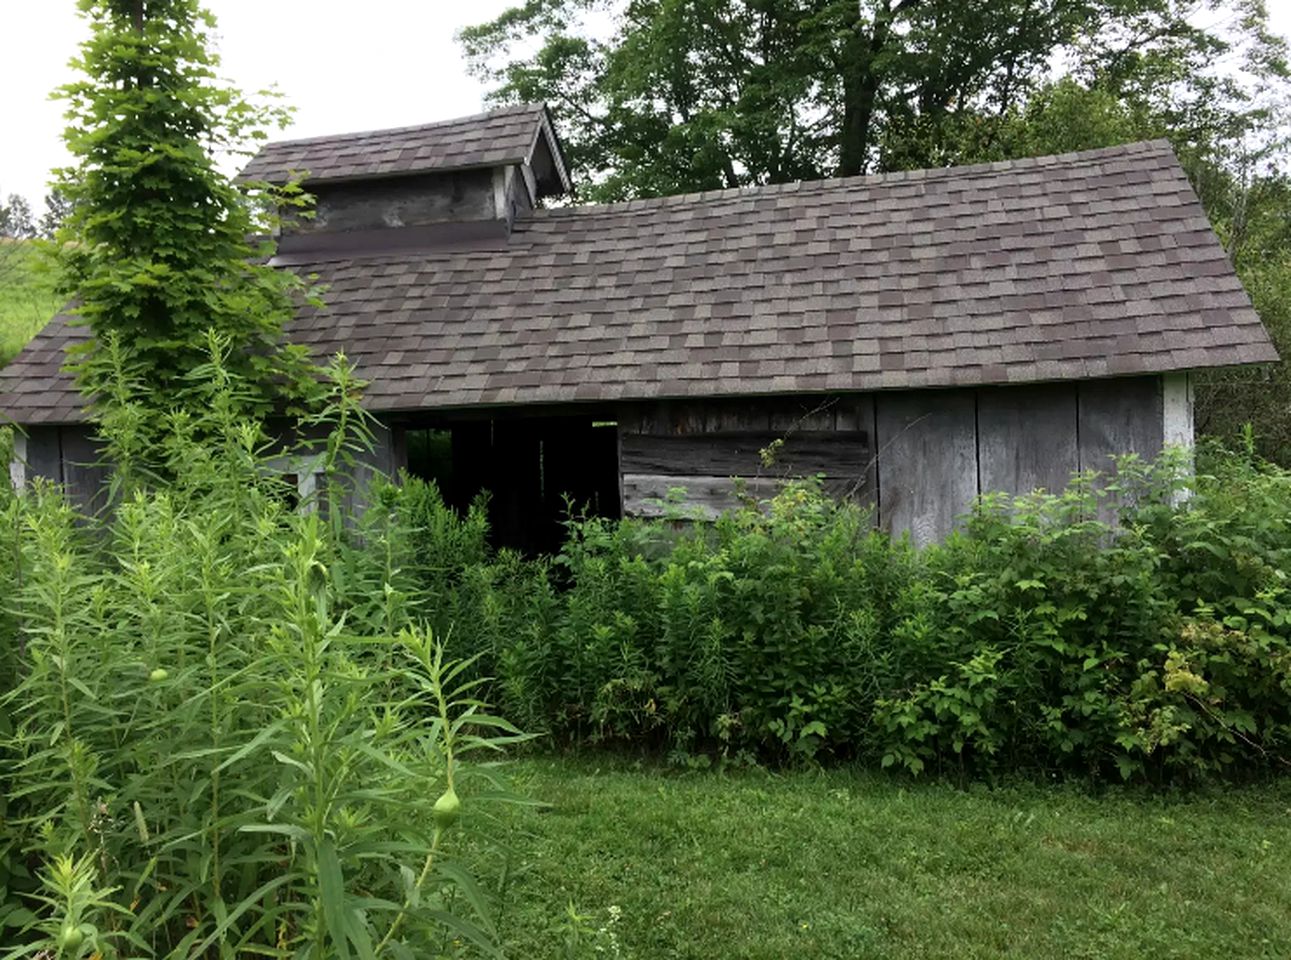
916 338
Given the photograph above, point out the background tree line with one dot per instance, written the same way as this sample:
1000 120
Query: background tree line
18 222
657 97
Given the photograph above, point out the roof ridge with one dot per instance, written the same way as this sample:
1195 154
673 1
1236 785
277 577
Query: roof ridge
1156 146
517 109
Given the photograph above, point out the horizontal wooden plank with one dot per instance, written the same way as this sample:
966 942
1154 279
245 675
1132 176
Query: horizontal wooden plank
651 495
844 454
778 414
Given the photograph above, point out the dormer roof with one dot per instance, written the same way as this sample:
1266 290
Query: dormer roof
520 135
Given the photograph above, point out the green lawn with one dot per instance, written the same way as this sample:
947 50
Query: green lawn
845 864
27 298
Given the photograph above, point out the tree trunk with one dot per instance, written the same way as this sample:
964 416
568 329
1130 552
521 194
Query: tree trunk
860 89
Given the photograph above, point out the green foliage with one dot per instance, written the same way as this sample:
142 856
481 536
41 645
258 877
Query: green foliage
157 245
1039 638
656 97
213 743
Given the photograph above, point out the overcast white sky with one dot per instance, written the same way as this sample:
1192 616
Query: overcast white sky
352 65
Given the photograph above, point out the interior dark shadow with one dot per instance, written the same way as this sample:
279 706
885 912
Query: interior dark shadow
535 469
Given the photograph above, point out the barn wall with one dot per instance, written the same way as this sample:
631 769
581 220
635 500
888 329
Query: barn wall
927 461
714 449
67 455
1118 417
1027 437
44 453
85 476
920 456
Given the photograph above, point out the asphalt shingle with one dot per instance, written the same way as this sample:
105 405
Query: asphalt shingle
502 136
1082 265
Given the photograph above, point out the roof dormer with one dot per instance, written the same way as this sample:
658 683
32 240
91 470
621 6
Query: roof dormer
453 183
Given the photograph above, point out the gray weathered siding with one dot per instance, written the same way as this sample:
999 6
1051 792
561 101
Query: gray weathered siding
704 446
927 461
918 457
463 196
45 453
923 455
1118 417
68 455
1026 437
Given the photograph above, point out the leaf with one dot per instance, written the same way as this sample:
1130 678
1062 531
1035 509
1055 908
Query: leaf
470 889
331 895
253 900
288 830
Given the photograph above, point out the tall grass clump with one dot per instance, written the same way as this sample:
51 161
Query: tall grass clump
214 744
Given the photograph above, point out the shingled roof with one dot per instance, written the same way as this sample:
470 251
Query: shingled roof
506 135
1084 265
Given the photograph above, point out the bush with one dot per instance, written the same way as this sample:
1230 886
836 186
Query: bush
1042 637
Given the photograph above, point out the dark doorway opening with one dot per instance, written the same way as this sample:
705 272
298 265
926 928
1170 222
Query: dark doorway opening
535 469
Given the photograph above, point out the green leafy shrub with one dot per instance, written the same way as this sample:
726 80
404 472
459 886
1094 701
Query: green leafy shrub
1042 637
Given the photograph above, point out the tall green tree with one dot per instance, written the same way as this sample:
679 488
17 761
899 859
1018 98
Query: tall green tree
666 96
15 218
157 246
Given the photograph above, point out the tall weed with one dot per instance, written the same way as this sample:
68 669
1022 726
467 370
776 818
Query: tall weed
227 732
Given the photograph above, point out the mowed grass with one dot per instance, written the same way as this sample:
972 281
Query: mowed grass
845 864
27 298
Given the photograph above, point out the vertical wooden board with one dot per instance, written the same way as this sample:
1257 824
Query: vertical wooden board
44 454
1026 437
691 417
927 461
398 449
738 414
857 413
794 414
85 476
1118 417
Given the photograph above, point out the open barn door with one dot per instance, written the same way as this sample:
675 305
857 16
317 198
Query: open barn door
534 469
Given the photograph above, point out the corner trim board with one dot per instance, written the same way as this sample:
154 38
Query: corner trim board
18 462
1176 410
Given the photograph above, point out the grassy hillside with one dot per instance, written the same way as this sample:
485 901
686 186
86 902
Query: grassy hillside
27 298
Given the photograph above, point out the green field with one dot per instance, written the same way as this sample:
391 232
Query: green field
843 864
27 298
